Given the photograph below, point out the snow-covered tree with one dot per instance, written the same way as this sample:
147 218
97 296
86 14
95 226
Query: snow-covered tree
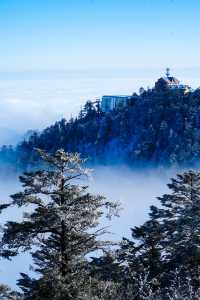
179 216
7 294
61 226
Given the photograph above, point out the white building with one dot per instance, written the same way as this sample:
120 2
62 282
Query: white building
111 102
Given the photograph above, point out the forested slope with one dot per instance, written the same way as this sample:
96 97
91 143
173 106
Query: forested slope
157 128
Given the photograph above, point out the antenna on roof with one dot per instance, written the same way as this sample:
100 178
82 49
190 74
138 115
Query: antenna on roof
168 72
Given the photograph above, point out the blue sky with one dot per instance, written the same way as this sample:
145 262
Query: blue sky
98 34
75 50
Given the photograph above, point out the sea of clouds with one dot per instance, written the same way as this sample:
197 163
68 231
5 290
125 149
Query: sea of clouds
35 104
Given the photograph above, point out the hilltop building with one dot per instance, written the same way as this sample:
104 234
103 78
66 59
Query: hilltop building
111 102
170 82
167 82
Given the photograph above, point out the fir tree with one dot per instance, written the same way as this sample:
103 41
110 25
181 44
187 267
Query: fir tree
7 294
179 217
142 259
62 224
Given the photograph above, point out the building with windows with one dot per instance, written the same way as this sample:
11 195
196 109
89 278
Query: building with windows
111 102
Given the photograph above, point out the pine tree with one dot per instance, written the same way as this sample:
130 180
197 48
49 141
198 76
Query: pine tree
89 109
141 258
179 217
7 294
106 267
61 227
